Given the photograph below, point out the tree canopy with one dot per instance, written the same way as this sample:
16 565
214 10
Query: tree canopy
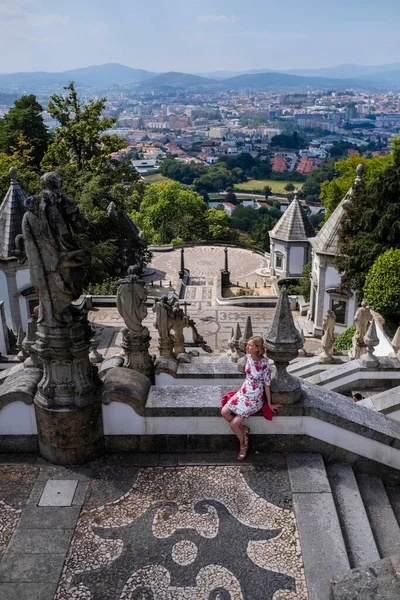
332 192
25 119
382 285
371 223
168 212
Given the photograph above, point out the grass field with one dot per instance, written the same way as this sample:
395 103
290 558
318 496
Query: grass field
278 187
157 178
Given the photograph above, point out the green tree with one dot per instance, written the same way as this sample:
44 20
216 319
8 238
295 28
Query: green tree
312 186
218 224
371 223
382 285
289 187
267 191
80 137
21 159
260 231
25 119
168 211
332 192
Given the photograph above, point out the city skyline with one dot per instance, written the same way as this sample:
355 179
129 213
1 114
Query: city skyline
196 35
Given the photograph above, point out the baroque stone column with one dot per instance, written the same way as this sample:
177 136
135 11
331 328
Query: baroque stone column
67 405
282 343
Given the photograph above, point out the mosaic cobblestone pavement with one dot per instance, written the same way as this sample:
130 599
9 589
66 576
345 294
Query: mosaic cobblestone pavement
188 533
16 482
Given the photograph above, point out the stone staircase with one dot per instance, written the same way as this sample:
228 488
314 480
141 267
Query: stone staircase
345 521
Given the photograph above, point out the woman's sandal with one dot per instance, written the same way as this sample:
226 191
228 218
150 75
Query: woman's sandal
243 452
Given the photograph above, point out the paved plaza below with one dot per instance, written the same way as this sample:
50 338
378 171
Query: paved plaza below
161 527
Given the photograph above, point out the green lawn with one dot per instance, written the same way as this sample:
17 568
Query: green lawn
278 187
156 178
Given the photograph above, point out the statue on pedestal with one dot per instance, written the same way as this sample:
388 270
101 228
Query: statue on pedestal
362 320
328 338
57 267
131 305
164 323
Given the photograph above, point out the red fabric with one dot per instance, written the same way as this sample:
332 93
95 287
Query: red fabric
266 411
227 397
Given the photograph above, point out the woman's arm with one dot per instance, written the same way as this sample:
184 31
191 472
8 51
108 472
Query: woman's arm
273 407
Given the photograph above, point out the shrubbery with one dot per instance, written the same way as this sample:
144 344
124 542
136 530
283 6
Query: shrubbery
292 284
107 288
344 341
382 285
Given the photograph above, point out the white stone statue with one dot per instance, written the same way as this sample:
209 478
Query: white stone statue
328 324
164 323
362 319
131 299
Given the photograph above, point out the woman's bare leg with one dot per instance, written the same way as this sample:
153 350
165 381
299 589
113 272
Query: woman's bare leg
227 413
237 427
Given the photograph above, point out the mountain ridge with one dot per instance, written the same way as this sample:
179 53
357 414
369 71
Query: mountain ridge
115 74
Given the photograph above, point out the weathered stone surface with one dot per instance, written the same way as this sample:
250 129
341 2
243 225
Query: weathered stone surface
380 512
126 386
321 540
20 386
70 436
164 364
380 580
307 473
282 343
110 363
360 542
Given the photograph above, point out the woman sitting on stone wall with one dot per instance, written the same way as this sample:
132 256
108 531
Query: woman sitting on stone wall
241 404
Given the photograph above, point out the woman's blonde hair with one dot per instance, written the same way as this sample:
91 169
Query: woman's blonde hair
259 343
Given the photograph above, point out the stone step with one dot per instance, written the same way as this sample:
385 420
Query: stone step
393 493
211 358
356 528
212 370
196 400
306 325
323 548
383 521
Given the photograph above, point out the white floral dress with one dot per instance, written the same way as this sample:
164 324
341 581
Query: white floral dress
250 398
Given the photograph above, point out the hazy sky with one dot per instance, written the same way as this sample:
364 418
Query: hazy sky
197 35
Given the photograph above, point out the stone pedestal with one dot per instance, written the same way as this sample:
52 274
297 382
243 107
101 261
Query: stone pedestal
225 278
136 354
282 344
69 379
69 436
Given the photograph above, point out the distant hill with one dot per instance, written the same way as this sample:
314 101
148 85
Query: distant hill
344 71
230 74
93 76
176 80
283 81
384 77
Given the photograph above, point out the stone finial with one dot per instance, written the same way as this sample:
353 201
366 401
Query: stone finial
248 333
282 343
112 211
231 343
13 175
226 259
236 340
182 269
370 340
396 340
360 172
